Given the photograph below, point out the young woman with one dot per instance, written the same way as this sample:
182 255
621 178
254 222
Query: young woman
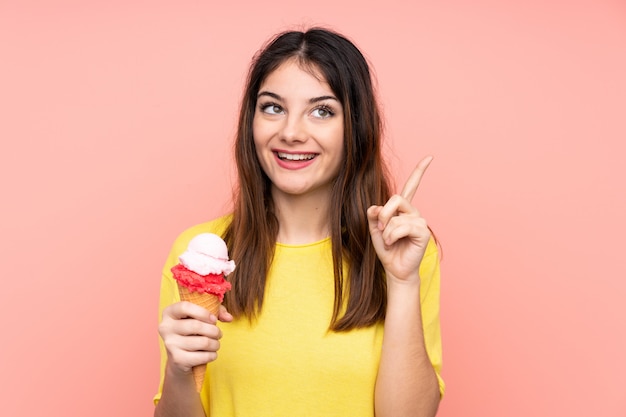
334 307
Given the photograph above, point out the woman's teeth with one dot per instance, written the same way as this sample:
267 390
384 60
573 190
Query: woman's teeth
296 157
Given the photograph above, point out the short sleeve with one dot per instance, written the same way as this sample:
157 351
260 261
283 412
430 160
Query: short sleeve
429 293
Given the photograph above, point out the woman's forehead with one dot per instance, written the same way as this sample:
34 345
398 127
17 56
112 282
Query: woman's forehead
292 75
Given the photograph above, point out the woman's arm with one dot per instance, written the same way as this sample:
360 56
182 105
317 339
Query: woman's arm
406 384
179 396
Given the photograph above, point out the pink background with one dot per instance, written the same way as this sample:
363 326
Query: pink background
116 122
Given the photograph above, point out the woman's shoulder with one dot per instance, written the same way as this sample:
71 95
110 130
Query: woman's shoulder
217 226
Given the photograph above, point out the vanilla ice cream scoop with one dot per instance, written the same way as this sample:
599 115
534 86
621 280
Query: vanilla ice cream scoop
207 254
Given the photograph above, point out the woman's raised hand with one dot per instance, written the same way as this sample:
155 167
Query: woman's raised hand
399 233
190 335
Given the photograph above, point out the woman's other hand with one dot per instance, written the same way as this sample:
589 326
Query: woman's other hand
191 335
399 233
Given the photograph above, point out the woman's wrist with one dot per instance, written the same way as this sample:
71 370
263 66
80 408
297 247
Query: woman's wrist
403 299
393 282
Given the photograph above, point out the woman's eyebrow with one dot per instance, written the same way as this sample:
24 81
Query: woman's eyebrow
311 100
270 94
322 98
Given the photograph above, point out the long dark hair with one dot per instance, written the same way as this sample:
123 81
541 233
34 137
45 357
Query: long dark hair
362 181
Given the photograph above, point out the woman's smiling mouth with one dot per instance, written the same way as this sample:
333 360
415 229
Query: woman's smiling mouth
295 156
294 161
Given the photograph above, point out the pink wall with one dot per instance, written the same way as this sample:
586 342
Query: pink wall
116 121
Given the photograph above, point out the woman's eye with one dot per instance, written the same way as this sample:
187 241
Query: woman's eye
271 109
322 112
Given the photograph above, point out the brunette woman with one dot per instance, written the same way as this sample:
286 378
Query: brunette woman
334 308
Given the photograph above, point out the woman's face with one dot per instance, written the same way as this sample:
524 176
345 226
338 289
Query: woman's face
298 131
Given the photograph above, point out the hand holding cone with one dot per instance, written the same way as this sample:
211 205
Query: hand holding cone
210 302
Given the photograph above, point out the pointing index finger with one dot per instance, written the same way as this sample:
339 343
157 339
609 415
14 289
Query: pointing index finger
410 187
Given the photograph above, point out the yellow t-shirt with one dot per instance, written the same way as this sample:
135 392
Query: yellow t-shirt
287 362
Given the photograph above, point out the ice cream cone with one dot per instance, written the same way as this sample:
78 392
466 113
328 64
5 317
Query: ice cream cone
210 302
200 278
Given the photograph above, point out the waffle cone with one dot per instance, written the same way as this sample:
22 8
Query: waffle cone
210 302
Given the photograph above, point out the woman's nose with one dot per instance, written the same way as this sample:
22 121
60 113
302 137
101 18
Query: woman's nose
293 129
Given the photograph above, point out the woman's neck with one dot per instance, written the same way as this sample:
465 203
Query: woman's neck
302 219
